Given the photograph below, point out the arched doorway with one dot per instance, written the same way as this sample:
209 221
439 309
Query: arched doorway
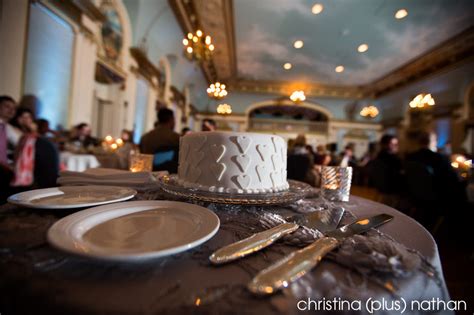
289 119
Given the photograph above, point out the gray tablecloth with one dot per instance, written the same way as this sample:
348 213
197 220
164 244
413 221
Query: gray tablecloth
36 278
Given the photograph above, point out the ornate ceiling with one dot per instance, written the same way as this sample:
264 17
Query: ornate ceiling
254 39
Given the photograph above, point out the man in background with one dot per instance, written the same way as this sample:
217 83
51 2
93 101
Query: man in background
163 136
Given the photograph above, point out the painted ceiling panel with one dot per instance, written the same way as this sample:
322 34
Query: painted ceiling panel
266 29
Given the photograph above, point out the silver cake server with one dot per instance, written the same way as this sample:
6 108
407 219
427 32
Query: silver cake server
297 264
324 220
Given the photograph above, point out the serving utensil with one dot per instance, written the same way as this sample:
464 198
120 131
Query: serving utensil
297 264
324 220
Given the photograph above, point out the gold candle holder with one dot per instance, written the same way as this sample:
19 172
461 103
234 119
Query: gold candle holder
141 162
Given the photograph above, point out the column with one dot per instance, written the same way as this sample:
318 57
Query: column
13 34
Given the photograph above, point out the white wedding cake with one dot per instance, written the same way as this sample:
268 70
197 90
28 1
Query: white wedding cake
233 162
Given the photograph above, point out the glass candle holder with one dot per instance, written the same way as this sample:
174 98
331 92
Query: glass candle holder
141 162
336 183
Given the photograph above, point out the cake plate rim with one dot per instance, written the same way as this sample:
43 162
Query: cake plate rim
297 190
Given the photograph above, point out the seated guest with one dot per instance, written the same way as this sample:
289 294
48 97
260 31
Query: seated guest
82 135
163 142
208 125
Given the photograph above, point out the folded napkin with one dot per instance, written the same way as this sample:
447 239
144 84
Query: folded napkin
140 181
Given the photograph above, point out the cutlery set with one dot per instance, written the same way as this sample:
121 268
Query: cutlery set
292 267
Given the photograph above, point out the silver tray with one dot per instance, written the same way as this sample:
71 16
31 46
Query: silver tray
296 191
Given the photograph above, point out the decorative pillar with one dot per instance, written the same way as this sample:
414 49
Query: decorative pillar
83 78
13 30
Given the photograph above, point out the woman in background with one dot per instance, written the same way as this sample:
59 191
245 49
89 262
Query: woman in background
36 158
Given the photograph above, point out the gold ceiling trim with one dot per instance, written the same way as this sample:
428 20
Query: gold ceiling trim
456 50
217 19
286 88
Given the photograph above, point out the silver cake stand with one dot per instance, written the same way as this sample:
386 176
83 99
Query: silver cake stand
296 191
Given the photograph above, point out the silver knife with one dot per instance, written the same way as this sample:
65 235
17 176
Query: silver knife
324 220
280 274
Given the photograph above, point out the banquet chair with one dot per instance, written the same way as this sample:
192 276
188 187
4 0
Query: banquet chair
166 159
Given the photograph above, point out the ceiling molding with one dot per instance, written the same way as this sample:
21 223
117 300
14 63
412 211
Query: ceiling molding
452 52
286 88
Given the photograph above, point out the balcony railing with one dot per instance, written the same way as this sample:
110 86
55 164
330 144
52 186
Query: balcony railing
271 125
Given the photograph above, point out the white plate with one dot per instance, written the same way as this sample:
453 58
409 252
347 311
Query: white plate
134 230
69 197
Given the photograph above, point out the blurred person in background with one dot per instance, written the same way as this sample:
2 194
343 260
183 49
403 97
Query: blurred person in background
36 158
208 125
9 138
32 103
347 156
9 135
385 171
127 136
321 155
300 161
44 129
82 136
163 136
24 120
435 187
332 149
185 131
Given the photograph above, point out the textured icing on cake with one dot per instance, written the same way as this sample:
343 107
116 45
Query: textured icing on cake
233 162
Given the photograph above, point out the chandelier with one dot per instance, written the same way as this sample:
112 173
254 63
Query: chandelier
369 111
197 46
422 101
217 90
224 109
297 96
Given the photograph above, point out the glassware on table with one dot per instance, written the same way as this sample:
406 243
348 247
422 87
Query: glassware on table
336 183
141 162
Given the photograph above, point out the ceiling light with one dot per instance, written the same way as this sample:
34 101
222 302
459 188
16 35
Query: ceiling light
369 111
217 90
317 8
297 96
224 109
363 48
339 68
298 44
287 66
400 14
422 101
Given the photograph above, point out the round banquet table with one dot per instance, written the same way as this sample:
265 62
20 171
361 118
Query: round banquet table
36 278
